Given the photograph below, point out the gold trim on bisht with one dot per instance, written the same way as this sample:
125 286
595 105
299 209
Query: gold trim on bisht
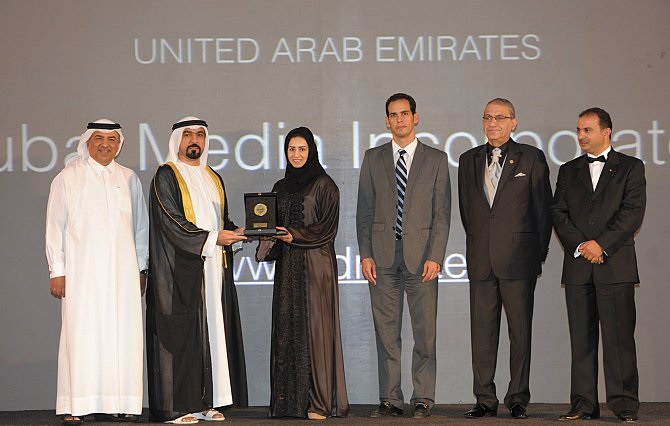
188 204
185 194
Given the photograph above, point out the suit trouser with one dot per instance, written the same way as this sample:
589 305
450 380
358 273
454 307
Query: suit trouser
387 298
613 305
487 299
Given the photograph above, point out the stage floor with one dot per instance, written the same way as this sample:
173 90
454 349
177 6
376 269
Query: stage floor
656 413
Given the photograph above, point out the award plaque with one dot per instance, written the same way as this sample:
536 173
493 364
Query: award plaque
261 214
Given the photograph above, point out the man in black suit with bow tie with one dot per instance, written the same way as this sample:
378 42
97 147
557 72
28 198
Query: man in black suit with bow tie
598 207
505 199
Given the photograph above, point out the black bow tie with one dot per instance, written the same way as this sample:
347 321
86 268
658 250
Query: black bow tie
594 159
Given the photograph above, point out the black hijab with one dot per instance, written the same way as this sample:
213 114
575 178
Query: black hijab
296 179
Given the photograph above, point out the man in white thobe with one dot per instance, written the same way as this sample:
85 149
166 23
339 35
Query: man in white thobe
97 249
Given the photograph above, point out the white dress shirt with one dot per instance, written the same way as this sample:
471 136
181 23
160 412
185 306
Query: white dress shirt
409 153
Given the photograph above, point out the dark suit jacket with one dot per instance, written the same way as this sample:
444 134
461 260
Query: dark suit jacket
426 212
512 236
610 215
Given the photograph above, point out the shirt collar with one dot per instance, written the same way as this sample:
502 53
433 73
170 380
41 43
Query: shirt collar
605 153
503 148
99 168
410 149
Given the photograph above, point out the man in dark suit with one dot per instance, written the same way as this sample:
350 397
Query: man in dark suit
505 199
598 206
402 222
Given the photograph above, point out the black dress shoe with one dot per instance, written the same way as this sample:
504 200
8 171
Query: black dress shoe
386 409
577 415
518 411
480 410
421 411
627 417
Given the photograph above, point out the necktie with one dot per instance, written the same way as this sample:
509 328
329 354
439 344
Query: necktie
495 168
594 159
401 184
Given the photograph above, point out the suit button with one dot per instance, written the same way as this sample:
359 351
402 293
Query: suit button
492 216
590 223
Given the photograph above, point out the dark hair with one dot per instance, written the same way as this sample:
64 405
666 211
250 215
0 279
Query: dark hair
503 101
603 116
400 96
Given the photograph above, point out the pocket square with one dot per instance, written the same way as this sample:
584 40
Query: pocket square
520 174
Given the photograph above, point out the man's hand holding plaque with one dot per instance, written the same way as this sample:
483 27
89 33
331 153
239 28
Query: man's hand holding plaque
226 238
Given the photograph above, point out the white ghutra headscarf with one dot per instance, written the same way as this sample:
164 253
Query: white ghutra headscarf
192 123
102 125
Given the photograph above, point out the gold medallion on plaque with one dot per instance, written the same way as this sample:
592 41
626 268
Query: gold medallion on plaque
260 209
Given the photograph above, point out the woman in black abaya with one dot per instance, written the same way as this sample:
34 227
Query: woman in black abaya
306 362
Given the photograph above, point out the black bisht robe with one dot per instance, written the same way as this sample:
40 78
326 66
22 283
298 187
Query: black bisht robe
178 355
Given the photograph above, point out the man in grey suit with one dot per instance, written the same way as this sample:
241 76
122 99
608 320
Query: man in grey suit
402 222
504 198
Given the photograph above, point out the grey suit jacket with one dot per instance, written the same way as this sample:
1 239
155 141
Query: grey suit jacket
426 212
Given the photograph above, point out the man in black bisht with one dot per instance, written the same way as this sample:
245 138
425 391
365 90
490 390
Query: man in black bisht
194 338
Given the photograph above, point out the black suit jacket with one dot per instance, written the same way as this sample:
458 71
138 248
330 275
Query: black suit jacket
610 215
512 236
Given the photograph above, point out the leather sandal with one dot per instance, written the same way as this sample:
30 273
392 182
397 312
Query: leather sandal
70 420
183 420
210 415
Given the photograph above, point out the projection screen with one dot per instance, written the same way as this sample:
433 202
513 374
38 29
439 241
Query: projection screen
256 69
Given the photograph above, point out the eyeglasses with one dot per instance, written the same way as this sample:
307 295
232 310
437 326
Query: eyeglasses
497 118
